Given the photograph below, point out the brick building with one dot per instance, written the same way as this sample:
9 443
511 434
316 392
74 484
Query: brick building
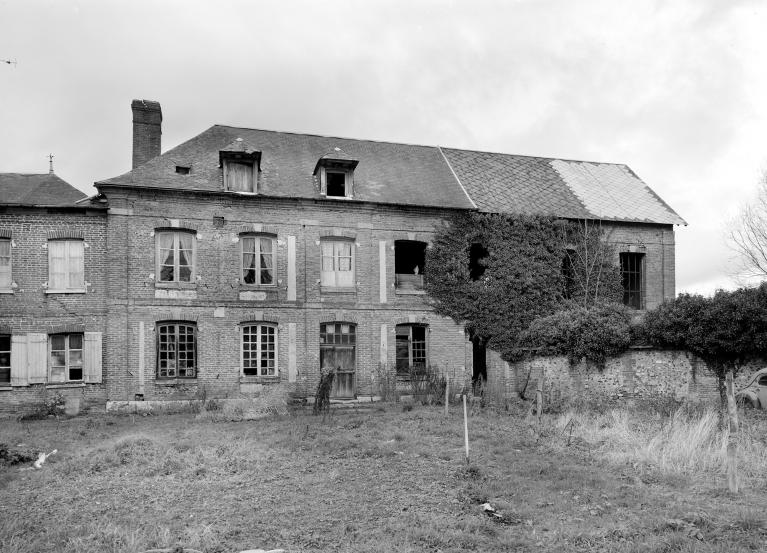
243 261
244 258
52 293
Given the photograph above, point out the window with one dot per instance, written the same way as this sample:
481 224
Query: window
259 350
5 359
182 170
175 256
408 264
5 263
258 256
477 255
176 350
411 349
239 175
66 270
66 357
337 263
568 275
338 346
632 275
336 183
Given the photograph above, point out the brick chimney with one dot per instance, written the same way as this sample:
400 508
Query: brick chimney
147 130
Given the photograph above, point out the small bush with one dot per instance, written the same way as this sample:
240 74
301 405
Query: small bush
13 456
52 406
593 334
427 385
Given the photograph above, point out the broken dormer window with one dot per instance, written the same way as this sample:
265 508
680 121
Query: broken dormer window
336 183
336 174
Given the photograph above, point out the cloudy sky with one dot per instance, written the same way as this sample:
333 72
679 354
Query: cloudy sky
676 89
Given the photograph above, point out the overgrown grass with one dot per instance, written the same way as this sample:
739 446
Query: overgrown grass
383 480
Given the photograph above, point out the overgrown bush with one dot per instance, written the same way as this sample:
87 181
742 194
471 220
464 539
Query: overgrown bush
579 333
51 406
427 385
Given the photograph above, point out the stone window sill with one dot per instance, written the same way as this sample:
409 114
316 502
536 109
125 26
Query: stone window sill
260 379
175 381
69 291
5 388
401 292
6 291
64 385
176 285
258 287
338 289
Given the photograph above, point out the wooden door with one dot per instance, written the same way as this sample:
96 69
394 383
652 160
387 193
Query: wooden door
338 351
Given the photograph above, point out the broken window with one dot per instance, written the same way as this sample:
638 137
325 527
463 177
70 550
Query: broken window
176 350
66 271
6 280
175 256
337 269
5 359
477 256
568 275
409 257
632 276
338 347
258 257
66 357
335 183
259 349
411 348
182 170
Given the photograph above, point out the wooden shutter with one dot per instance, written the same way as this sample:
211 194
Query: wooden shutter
37 358
19 360
57 265
75 264
92 358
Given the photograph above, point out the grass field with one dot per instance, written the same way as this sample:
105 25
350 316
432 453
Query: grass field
384 480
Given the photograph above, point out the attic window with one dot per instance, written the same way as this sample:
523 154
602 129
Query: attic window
336 174
182 170
240 168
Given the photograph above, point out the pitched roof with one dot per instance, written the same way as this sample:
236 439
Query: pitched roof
387 173
44 189
571 189
392 173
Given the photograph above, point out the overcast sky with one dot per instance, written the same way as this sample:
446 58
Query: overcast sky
676 89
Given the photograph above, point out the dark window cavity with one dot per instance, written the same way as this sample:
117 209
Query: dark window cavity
477 256
182 170
409 257
336 183
632 275
5 359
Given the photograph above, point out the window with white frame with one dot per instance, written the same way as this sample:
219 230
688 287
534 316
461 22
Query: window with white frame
411 348
337 263
66 357
6 279
176 252
66 266
5 359
176 350
258 259
259 349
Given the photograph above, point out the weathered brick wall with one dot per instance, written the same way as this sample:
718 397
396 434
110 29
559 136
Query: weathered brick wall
657 243
217 307
29 309
637 373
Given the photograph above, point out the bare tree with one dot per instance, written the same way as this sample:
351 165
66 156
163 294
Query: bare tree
591 272
748 233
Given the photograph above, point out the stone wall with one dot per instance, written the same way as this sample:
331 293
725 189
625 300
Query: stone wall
638 373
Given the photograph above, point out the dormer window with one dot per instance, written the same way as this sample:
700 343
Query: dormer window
336 174
335 183
240 165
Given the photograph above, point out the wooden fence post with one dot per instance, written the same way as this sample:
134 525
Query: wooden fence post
732 440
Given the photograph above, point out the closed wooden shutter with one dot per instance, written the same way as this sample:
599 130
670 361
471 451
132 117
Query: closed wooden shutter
92 358
19 360
37 358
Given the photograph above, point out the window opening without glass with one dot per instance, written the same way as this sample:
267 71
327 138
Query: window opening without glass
411 349
409 262
632 276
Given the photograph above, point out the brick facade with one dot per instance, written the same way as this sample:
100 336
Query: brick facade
30 308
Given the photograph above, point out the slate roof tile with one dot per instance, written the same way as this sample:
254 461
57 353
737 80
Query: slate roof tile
44 189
